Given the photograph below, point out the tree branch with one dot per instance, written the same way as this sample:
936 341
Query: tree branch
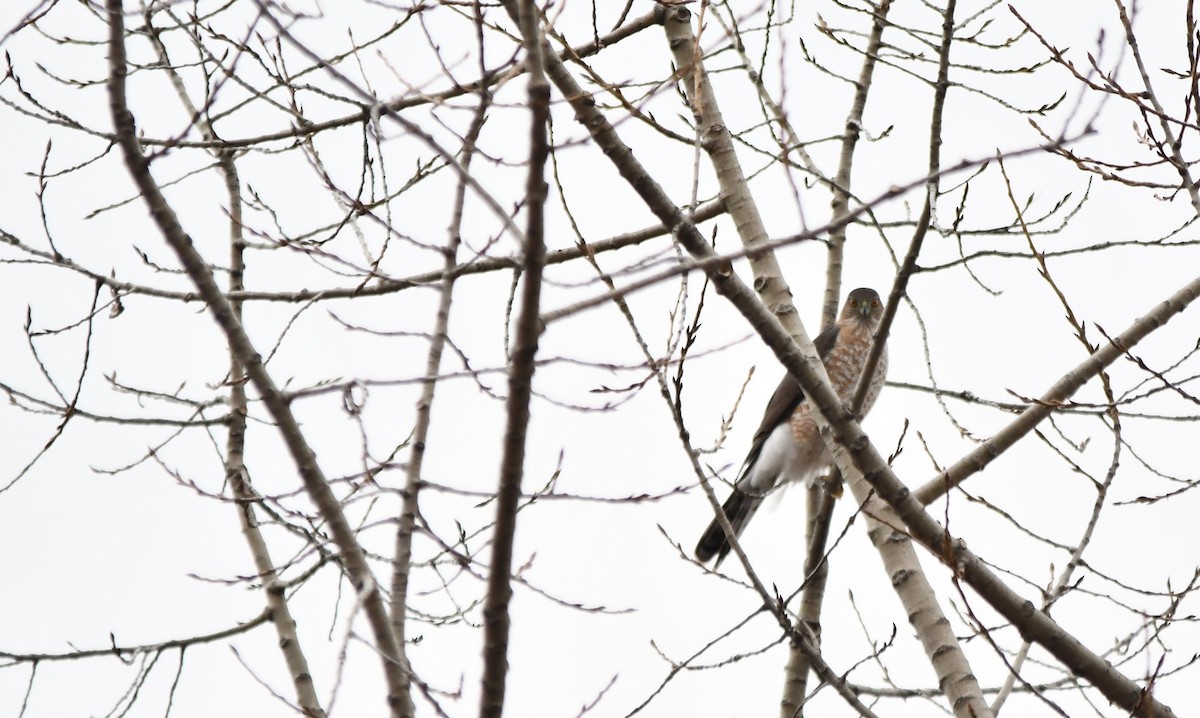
353 559
496 618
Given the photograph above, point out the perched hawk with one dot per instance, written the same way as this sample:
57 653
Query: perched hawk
788 446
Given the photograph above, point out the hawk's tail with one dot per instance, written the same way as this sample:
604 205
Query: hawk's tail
739 507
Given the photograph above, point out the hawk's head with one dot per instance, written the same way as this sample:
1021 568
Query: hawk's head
863 305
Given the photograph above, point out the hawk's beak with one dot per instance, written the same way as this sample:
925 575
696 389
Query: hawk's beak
864 309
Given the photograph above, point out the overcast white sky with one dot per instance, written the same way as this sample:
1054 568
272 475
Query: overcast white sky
142 557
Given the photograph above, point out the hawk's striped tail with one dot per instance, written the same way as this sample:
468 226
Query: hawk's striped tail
739 507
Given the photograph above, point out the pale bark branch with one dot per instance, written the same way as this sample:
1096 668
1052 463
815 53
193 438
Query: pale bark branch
406 526
1071 382
725 282
1059 392
716 139
846 431
841 181
237 477
353 559
819 503
854 453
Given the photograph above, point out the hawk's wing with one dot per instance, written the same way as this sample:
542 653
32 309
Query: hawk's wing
742 503
784 401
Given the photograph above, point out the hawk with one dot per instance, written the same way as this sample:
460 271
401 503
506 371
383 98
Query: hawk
788 445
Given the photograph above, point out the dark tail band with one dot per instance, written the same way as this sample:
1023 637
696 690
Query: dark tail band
739 507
